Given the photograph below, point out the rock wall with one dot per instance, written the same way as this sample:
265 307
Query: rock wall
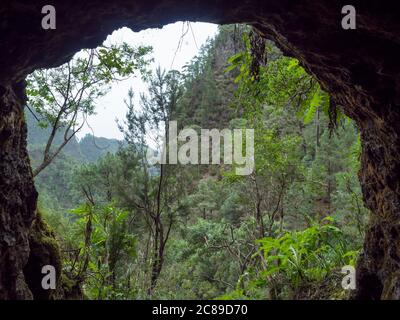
17 194
360 68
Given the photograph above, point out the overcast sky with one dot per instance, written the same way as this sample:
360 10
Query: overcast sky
165 42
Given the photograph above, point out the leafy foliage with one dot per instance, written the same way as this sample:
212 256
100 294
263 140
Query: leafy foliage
163 231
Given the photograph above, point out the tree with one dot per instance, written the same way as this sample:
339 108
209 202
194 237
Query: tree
158 191
62 98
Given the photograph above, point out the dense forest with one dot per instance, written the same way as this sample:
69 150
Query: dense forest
131 230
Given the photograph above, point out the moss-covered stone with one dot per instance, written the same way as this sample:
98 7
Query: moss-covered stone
44 250
71 289
327 289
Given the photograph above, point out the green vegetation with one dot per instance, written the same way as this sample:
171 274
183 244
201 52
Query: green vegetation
128 230
61 99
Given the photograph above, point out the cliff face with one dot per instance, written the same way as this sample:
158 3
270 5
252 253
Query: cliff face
360 68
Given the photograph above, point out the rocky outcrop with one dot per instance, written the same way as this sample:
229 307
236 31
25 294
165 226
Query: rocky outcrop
17 194
360 68
44 250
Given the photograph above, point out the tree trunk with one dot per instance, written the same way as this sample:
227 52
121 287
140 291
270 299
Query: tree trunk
158 254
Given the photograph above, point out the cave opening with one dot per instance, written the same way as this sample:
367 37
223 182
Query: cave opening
357 67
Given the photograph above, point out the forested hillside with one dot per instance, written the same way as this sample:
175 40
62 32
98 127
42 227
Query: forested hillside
88 149
53 183
129 230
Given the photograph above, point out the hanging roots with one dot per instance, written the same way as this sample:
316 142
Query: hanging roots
258 53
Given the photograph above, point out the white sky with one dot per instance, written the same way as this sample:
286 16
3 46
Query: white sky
165 43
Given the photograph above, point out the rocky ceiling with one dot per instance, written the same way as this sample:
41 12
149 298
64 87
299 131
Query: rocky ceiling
360 69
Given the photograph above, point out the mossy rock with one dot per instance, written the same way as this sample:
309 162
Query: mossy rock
44 250
329 288
71 289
